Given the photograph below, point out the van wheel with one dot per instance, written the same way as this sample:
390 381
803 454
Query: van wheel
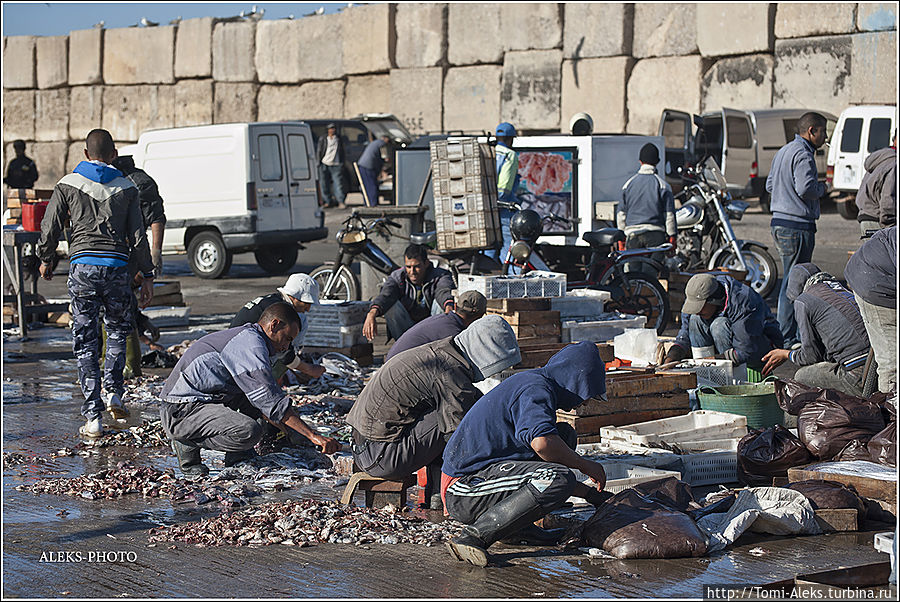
208 256
847 208
276 260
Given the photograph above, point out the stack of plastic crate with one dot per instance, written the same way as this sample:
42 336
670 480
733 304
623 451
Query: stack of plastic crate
465 194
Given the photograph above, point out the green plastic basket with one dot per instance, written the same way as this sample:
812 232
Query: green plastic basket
756 401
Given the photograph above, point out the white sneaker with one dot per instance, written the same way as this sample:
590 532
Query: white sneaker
92 428
116 407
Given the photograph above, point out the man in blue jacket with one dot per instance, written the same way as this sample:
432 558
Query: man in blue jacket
647 212
507 465
795 190
724 318
833 340
370 164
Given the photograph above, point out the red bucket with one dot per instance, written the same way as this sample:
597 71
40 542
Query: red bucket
33 214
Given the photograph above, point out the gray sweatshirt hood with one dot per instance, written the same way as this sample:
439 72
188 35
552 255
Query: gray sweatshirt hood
797 278
882 155
489 344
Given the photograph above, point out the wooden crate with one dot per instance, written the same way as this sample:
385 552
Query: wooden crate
536 355
528 318
29 194
591 425
875 489
505 306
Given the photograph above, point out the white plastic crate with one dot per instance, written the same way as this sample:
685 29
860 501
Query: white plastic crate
338 313
726 444
463 204
599 331
164 316
454 150
581 303
710 372
343 336
622 475
710 468
473 239
457 168
475 184
532 284
476 220
694 426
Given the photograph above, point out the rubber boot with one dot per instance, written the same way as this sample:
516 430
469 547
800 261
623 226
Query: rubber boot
189 459
433 487
500 521
232 458
133 353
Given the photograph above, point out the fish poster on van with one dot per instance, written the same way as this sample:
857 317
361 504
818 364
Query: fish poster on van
547 184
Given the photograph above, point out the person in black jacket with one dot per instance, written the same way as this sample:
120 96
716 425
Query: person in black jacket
21 172
330 155
151 206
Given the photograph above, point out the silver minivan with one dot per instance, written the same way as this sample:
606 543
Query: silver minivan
742 142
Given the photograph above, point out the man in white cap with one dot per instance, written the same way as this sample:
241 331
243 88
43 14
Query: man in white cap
301 292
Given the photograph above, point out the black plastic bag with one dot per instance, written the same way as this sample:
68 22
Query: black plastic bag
763 454
158 359
671 492
827 424
792 395
882 447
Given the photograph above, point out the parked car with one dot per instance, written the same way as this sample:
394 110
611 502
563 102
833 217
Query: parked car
355 134
742 142
860 131
232 188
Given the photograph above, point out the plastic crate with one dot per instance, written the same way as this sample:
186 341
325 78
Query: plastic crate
452 150
694 426
726 444
481 220
599 330
621 476
533 284
710 468
581 303
338 313
445 169
475 184
473 239
467 203
343 336
710 373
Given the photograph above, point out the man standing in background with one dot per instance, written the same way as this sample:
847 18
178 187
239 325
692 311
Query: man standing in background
330 153
877 195
647 213
370 164
21 172
507 183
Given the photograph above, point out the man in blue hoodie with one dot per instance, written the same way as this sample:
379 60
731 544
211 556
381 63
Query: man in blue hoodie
794 186
507 465
107 228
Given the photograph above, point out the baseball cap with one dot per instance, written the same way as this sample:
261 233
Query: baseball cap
301 287
472 302
330 126
698 291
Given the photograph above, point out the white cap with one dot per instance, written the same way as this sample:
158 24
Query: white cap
302 288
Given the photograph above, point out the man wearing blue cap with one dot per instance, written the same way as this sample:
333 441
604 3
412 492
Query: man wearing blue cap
507 182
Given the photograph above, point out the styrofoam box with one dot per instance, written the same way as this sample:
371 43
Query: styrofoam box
694 426
710 372
581 303
532 284
338 313
599 331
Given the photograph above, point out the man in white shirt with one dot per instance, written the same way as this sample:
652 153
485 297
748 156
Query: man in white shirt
330 153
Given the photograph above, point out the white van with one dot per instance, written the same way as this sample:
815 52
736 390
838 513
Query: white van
860 131
232 188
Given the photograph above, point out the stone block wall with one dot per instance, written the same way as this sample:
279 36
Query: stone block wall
447 66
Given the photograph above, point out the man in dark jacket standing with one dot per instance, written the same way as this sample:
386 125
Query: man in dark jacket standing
722 317
370 164
877 195
107 228
151 206
410 294
833 340
21 171
470 307
330 154
795 190
647 212
507 466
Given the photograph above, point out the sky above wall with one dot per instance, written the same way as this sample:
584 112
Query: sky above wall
58 18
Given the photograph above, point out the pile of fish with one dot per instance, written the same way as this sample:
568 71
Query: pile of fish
113 483
144 389
13 459
343 376
325 411
278 471
308 522
147 434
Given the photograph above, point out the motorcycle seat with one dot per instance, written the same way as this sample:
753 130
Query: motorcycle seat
423 238
604 238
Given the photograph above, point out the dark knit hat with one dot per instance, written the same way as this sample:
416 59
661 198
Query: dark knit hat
649 154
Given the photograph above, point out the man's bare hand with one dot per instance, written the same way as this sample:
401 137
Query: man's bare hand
773 359
146 292
46 271
329 445
314 370
595 471
370 329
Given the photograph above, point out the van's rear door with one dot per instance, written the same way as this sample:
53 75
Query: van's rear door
267 152
675 127
738 151
301 174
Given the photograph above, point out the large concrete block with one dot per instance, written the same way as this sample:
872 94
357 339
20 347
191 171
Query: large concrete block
314 100
813 73
734 28
130 110
193 48
74 155
664 30
234 102
530 92
233 50
472 98
800 19
19 62
531 26
18 114
50 158
743 82
421 35
193 102
51 115
52 61
597 87
367 94
139 55
473 33
876 16
85 110
874 68
656 84
293 51
369 38
87 46
597 29
416 98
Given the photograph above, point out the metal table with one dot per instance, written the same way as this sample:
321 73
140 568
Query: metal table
15 240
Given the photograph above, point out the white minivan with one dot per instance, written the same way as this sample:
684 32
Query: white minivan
233 188
860 131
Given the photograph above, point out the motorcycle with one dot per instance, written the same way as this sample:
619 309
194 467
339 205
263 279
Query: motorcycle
628 275
706 239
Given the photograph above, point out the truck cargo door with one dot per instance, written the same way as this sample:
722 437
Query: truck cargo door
738 151
675 128
268 155
301 176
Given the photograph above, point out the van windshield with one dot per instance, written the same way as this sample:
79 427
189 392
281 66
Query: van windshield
851 134
879 134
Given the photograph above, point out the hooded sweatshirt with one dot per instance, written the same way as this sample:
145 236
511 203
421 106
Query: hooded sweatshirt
490 346
830 325
877 196
502 424
871 272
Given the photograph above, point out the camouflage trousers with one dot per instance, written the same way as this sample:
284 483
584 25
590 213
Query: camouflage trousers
91 288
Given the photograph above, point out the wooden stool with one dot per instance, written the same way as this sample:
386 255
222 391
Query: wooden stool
379 492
